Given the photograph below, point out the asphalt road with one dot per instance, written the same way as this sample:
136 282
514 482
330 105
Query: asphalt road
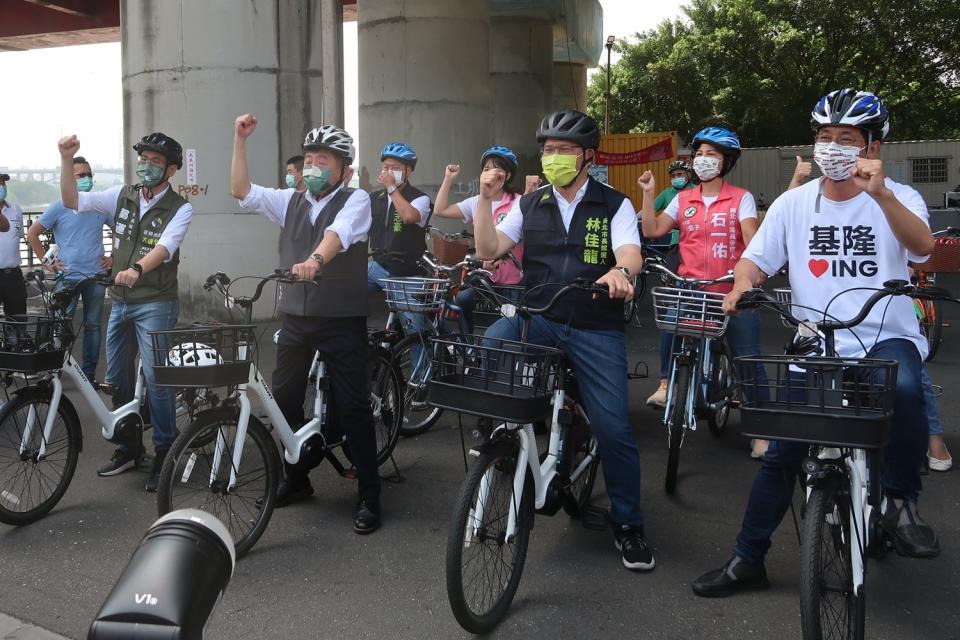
310 576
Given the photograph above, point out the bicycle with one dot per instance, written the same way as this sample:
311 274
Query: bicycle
702 381
945 258
515 383
226 462
843 408
40 431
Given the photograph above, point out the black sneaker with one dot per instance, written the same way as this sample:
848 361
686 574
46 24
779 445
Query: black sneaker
120 461
912 537
735 575
636 554
154 478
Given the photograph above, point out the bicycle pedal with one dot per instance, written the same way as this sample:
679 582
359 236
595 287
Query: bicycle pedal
637 375
595 518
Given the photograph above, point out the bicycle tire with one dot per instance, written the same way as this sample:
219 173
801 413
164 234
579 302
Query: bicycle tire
415 420
822 616
675 433
190 459
720 383
934 329
480 613
20 471
581 444
386 402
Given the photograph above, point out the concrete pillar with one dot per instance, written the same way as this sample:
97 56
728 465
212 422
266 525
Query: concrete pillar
425 79
188 69
521 76
569 86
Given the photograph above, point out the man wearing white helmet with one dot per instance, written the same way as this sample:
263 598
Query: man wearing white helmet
842 236
324 229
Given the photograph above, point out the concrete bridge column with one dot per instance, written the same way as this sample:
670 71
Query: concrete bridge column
188 69
425 80
569 86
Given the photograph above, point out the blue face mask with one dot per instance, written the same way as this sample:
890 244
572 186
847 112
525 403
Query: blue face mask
679 183
291 181
3 192
150 174
85 184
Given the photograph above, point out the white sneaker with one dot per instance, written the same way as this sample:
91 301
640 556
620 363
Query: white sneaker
659 397
758 448
936 464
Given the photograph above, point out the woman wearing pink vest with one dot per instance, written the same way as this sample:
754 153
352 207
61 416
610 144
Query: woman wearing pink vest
504 271
716 221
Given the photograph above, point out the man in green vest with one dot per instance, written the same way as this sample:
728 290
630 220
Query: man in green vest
150 222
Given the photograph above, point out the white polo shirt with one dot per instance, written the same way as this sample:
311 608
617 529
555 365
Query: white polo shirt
10 239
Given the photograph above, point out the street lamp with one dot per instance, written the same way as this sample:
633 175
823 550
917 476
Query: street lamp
606 109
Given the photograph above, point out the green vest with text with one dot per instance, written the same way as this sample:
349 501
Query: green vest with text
135 237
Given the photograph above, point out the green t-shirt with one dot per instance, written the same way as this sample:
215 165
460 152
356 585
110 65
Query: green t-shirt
666 196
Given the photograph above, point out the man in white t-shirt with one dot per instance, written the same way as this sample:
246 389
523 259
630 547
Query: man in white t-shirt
13 290
843 236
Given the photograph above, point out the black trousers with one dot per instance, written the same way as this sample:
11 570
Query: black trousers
342 343
13 292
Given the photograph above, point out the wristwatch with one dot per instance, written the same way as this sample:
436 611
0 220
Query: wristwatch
391 189
317 258
136 266
624 271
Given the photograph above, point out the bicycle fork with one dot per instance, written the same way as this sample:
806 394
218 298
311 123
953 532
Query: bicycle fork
33 419
222 447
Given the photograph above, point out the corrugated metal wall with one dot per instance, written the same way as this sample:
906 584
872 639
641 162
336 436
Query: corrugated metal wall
623 177
767 170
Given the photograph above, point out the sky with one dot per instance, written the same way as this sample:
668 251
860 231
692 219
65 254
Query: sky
53 92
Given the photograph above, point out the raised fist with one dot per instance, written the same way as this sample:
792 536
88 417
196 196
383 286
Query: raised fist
245 124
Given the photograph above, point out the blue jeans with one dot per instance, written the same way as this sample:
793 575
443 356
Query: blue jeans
599 359
92 295
411 322
466 300
127 335
772 489
930 404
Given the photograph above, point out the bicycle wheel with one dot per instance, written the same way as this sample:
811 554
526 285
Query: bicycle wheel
417 417
199 473
32 484
581 444
386 402
676 426
483 565
931 326
828 606
720 390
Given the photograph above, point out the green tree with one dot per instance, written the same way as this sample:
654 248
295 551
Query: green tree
758 66
33 195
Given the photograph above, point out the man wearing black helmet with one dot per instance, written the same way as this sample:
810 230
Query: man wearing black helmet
323 230
576 227
842 236
150 222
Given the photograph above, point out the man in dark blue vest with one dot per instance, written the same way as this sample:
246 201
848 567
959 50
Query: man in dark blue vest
322 229
576 227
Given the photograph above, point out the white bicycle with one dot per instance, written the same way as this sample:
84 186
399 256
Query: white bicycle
226 462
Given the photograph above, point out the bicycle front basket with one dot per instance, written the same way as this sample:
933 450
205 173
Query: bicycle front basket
501 379
414 294
689 312
842 402
33 344
203 356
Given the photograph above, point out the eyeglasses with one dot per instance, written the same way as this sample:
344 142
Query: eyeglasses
846 140
564 151
82 175
157 162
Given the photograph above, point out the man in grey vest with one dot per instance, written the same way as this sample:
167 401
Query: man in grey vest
150 222
323 230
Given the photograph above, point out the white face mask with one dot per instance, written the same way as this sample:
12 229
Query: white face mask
835 160
706 168
397 175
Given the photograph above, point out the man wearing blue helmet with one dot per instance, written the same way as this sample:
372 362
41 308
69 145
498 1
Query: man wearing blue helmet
842 236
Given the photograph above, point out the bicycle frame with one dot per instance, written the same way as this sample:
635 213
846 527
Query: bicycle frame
698 353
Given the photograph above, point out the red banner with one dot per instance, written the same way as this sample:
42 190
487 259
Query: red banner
660 151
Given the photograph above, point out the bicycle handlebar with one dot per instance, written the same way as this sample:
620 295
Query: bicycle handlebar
580 284
222 282
656 265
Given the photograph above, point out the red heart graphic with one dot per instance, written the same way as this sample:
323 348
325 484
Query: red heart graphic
818 267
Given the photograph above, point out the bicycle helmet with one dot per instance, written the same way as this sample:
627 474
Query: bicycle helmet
193 354
502 152
860 109
724 140
402 152
162 144
679 165
333 138
571 125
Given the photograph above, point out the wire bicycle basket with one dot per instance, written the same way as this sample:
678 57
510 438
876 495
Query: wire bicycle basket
415 294
34 343
203 356
689 312
841 402
493 377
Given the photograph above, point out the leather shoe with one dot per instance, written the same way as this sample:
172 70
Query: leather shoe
736 575
912 537
366 517
292 491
